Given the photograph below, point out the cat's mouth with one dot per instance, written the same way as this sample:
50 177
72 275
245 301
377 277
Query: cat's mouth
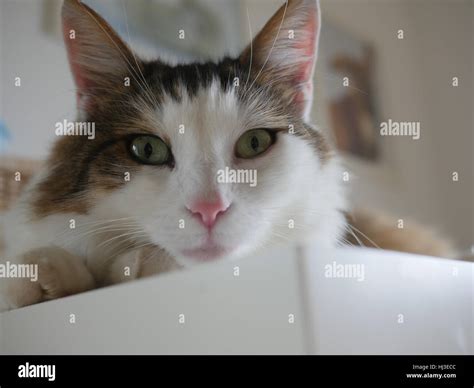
207 252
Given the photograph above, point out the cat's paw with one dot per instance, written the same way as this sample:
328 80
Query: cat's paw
139 263
58 274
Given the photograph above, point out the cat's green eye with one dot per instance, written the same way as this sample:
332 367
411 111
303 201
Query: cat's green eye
252 143
150 150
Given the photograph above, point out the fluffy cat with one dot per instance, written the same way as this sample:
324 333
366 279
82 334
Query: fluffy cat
143 193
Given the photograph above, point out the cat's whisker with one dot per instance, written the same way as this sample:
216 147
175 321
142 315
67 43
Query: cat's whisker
87 224
88 229
124 57
273 46
303 209
87 232
363 235
126 235
251 48
120 247
135 58
81 236
140 245
113 252
347 228
131 245
72 232
104 221
345 242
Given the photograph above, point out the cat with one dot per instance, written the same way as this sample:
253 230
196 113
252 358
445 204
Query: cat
141 197
171 212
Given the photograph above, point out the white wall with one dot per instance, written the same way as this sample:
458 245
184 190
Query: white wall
47 93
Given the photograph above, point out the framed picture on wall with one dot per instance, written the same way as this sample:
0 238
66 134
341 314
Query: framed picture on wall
348 67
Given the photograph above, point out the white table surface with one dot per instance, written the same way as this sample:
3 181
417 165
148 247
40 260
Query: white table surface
405 304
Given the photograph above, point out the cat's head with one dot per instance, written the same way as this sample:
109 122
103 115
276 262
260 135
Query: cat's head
206 160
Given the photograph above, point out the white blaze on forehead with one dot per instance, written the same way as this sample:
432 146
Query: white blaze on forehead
207 118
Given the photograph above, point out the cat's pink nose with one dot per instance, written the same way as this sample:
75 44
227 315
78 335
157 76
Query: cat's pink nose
208 210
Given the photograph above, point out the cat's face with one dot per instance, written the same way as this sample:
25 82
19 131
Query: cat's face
205 160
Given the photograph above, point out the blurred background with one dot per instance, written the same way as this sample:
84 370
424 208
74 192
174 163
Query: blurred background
379 60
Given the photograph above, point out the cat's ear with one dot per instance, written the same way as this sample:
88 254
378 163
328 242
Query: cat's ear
99 59
284 51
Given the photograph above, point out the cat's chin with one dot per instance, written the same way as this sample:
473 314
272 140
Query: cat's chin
206 253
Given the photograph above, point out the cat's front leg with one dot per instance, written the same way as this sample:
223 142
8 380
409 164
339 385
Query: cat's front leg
52 273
